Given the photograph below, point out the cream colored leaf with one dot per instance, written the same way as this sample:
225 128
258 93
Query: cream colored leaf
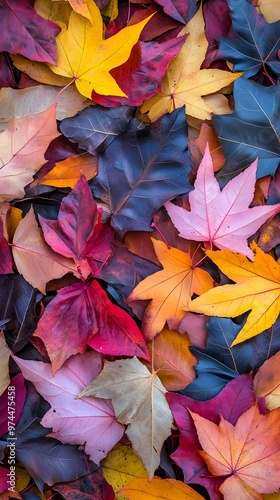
270 9
138 398
34 259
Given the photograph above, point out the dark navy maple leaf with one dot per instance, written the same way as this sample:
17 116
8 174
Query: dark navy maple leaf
218 363
252 43
251 131
142 169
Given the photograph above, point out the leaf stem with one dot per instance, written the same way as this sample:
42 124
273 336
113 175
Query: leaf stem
159 231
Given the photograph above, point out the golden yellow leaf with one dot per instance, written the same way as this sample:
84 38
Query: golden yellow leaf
267 382
83 54
257 289
159 489
169 289
172 359
66 173
4 363
185 83
270 9
35 260
121 466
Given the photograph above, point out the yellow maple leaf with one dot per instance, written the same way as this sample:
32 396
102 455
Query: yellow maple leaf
83 54
170 289
185 83
257 289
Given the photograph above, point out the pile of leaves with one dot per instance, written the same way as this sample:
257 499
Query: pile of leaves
139 249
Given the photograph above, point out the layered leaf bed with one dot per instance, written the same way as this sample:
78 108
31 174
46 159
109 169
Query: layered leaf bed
139 249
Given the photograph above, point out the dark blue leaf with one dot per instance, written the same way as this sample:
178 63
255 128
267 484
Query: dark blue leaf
218 363
142 169
253 43
94 128
251 131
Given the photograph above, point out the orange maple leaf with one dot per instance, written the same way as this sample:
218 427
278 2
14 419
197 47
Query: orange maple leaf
248 454
170 289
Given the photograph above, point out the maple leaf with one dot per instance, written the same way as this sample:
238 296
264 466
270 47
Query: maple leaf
85 421
22 149
161 166
236 397
82 314
221 217
244 452
185 83
138 398
252 43
180 10
140 77
83 38
26 32
84 239
34 259
257 290
218 362
251 131
169 289
86 488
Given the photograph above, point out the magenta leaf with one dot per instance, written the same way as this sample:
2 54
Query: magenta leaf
26 32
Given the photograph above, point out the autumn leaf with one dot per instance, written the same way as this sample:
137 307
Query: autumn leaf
221 217
138 398
26 32
170 289
4 360
121 466
257 290
168 489
84 239
84 421
66 173
22 149
34 259
82 314
270 9
172 359
74 56
267 382
185 83
244 453
251 36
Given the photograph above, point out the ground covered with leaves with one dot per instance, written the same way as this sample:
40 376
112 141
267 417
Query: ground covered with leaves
139 249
